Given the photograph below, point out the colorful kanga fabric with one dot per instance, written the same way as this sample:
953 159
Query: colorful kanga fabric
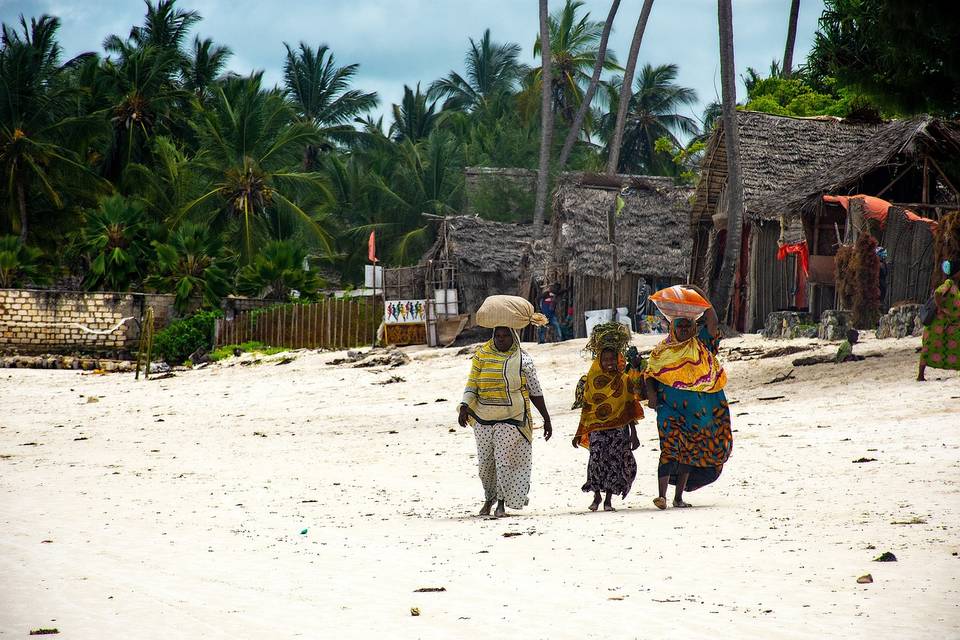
687 365
496 391
694 428
941 339
608 400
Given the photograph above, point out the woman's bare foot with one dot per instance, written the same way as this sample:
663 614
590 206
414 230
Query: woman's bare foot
679 503
596 501
661 502
608 507
500 512
485 510
921 378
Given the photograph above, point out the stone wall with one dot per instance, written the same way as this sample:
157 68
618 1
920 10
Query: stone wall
33 321
789 324
901 322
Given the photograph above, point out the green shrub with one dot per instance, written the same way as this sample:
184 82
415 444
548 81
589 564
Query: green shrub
227 350
175 343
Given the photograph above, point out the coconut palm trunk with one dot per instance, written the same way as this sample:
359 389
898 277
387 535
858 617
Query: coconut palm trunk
625 91
731 255
791 38
574 132
546 122
22 204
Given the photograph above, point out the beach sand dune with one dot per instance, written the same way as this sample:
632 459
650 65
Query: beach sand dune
313 501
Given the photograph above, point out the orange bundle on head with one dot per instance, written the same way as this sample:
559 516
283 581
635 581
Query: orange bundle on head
679 302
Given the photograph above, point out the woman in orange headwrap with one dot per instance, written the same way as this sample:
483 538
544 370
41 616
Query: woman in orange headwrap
685 384
609 402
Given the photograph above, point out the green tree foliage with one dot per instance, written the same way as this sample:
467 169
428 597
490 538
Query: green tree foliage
902 54
493 71
413 118
321 95
192 265
277 271
176 342
251 147
574 49
654 113
114 241
20 265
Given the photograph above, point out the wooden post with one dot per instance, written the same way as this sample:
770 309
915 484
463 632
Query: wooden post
925 198
612 237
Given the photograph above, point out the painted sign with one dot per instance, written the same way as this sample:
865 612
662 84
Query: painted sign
404 312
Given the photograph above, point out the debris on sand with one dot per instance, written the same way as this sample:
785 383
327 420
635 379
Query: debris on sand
390 357
913 520
783 378
862 460
392 380
430 590
44 632
886 556
415 611
866 579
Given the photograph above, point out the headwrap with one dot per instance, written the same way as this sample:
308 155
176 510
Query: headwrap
686 365
496 390
607 400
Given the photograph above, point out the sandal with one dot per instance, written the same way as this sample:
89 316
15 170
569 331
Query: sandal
661 502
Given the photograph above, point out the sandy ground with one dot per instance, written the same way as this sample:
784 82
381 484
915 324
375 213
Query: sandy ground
177 508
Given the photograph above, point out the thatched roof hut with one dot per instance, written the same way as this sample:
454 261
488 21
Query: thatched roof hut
789 164
482 257
652 238
774 151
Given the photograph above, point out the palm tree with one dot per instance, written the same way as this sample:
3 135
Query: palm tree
36 121
321 94
250 150
584 107
791 38
613 154
574 43
164 27
413 118
114 241
203 66
492 70
168 185
147 101
652 114
546 118
19 264
723 291
413 179
191 264
277 271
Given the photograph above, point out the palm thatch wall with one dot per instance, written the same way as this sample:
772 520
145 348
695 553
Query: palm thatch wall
487 256
652 238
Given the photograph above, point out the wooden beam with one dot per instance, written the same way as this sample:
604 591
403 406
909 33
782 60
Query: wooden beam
923 205
895 180
956 192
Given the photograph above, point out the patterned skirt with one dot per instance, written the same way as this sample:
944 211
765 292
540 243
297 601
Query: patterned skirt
612 466
695 435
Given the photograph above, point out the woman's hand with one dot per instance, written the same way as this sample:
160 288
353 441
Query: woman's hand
462 418
576 441
547 429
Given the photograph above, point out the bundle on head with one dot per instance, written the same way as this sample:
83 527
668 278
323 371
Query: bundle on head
608 335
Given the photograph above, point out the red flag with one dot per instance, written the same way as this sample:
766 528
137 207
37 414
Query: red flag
372 248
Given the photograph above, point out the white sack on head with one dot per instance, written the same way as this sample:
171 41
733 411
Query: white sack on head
508 311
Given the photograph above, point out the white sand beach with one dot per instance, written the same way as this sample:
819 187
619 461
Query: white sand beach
309 501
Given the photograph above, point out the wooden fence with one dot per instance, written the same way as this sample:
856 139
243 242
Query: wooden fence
332 323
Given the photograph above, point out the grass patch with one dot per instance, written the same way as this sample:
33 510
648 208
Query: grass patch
226 351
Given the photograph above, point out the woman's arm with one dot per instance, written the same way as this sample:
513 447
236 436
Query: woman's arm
710 315
634 440
651 393
542 408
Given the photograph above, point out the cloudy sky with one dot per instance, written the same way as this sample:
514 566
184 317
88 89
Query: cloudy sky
399 42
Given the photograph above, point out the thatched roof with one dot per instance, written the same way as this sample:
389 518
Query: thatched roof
882 147
482 245
651 230
774 151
